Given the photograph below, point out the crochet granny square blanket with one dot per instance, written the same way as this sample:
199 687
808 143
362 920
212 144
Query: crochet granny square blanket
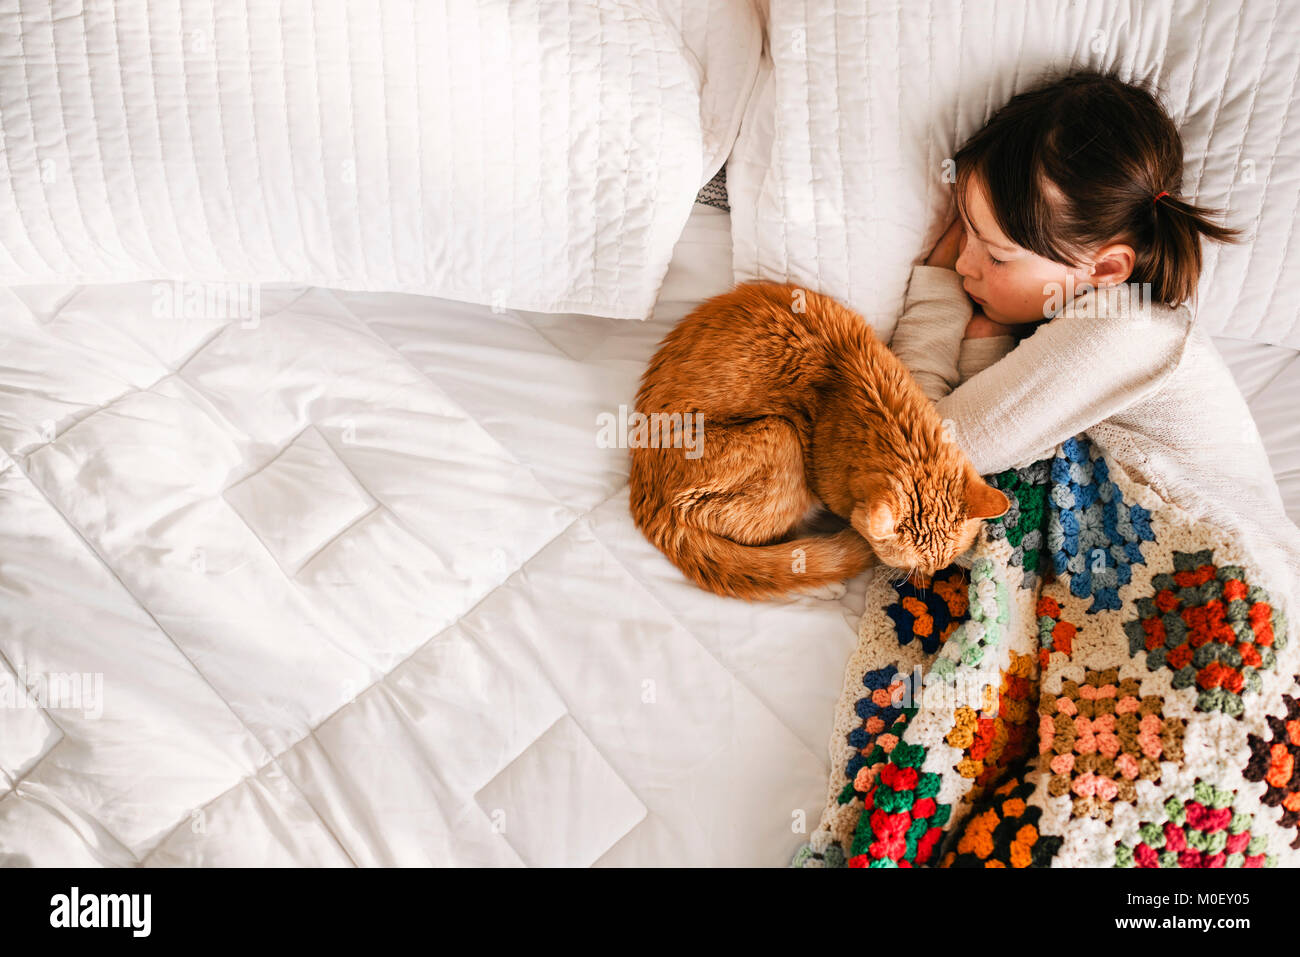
1102 681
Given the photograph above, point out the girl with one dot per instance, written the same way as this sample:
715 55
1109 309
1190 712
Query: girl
1071 234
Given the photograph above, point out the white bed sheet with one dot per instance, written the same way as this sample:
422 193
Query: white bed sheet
363 588
1269 377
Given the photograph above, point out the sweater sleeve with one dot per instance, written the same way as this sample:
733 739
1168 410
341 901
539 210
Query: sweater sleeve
1075 371
929 333
930 336
978 354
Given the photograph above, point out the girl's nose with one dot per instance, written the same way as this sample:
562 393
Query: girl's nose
965 261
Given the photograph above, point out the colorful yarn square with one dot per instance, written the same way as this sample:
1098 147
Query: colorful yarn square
1099 738
1054 635
992 742
901 822
1024 525
880 709
1093 536
1276 761
1204 831
929 610
1211 628
1005 833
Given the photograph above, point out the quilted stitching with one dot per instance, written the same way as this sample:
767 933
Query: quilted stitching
276 143
301 501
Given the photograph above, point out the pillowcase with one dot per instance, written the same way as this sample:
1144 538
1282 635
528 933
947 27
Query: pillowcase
841 176
528 154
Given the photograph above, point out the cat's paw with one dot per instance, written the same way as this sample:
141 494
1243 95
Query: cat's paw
832 592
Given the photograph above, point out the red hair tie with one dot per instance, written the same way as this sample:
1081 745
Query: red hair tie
1158 195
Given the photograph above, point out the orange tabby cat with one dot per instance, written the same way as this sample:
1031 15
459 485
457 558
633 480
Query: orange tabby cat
779 400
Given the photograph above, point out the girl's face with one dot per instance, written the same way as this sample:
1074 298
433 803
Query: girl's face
1012 285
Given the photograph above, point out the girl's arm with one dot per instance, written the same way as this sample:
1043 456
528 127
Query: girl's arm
1075 371
931 335
928 337
1096 357
978 354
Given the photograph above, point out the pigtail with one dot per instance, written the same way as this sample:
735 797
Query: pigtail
1171 259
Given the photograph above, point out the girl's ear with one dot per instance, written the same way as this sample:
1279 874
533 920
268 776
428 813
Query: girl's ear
1113 265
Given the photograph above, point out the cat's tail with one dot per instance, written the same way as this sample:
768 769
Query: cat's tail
814 565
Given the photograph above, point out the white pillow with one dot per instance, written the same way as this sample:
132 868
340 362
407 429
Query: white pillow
840 177
527 154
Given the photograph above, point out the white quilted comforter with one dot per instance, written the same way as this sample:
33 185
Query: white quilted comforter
355 584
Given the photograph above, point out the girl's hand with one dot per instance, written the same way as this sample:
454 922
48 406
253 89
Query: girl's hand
947 250
982 327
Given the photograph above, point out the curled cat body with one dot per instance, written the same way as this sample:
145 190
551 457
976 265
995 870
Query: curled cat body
782 402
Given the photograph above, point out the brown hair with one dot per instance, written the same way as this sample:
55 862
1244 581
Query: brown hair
1083 161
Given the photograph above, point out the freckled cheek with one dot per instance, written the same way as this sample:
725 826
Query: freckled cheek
1023 295
1033 296
1002 295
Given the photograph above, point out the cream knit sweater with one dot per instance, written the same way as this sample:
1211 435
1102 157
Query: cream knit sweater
1146 383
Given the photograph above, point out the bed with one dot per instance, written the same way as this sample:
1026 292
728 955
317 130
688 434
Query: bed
351 580
408 491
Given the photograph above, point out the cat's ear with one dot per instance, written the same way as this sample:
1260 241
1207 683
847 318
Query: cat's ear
983 500
876 520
